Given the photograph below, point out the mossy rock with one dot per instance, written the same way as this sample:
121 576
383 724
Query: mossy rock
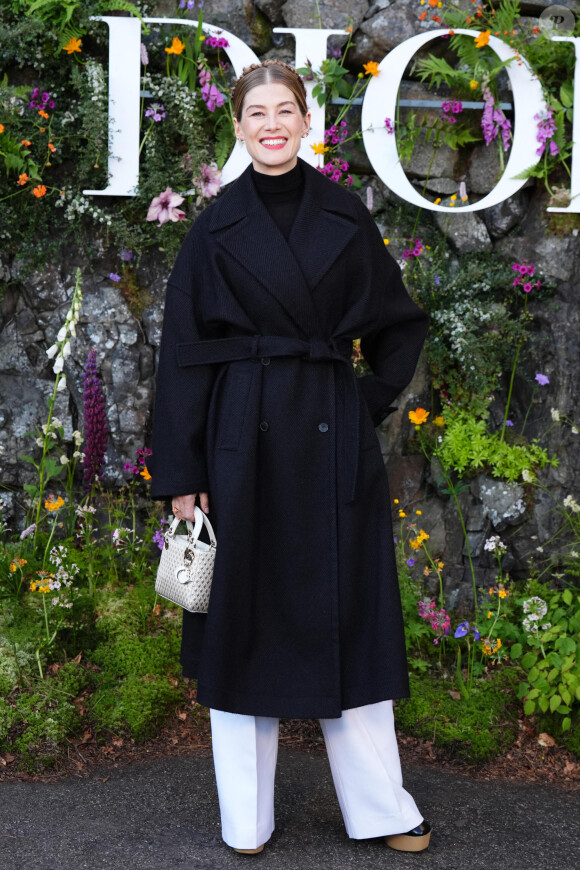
45 714
476 728
127 654
136 706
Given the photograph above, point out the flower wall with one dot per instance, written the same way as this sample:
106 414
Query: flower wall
491 443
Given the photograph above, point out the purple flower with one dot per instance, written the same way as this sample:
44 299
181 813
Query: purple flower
95 422
156 111
410 562
389 126
209 181
45 97
126 256
144 55
546 129
493 121
27 531
212 97
163 208
114 277
461 630
542 379
509 423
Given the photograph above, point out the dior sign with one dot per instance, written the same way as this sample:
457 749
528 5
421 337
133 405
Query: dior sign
379 102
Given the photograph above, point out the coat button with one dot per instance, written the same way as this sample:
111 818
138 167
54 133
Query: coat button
264 426
265 360
323 427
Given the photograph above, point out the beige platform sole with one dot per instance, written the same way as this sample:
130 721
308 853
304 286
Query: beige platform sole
250 851
405 843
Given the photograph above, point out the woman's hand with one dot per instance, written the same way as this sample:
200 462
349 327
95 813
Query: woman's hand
183 505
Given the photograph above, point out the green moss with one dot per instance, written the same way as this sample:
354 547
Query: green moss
476 728
135 706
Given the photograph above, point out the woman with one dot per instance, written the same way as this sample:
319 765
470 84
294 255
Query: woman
259 414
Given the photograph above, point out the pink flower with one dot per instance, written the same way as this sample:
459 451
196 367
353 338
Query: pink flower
209 182
164 207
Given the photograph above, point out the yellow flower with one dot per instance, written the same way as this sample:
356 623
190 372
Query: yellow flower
473 84
491 591
415 543
72 45
482 39
502 593
176 47
423 535
454 197
439 421
52 504
371 68
386 241
418 416
438 200
489 614
440 564
145 474
17 563
319 148
395 501
33 587
402 514
419 513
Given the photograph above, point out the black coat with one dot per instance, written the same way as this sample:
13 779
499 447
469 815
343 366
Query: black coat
257 403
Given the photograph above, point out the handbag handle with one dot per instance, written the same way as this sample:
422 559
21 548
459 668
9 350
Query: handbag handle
193 532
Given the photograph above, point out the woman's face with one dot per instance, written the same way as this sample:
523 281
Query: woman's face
272 127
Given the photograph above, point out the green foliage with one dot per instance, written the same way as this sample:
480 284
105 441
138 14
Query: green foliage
476 728
467 447
548 655
135 706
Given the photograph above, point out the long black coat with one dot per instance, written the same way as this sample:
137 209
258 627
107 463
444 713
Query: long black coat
257 403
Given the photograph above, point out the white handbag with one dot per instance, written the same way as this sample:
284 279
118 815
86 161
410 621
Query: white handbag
186 568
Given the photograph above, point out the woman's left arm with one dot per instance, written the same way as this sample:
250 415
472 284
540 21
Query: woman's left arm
392 350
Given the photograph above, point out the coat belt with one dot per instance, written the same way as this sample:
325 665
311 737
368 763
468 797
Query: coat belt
223 350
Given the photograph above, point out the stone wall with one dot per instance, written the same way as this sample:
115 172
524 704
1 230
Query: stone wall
33 309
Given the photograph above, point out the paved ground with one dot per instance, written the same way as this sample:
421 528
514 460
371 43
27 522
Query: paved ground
164 815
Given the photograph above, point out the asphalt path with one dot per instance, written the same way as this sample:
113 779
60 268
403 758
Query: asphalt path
163 815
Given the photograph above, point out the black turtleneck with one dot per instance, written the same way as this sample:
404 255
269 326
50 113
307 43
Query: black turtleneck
281 194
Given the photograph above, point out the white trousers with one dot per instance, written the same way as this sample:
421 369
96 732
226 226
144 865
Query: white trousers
364 760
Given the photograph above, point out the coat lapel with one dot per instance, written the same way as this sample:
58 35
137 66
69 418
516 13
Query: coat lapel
287 270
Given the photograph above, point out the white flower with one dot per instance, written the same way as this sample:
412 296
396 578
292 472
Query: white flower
555 414
61 335
64 460
536 607
66 350
574 430
52 351
527 475
61 384
571 503
539 549
58 366
77 437
546 626
72 329
40 442
574 555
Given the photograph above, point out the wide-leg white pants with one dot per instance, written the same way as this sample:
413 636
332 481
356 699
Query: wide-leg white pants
364 760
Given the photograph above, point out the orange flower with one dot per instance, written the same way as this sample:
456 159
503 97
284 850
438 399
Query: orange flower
418 416
319 147
371 68
432 2
23 178
145 474
39 191
72 46
1 128
43 114
422 16
436 18
176 47
25 142
482 39
51 147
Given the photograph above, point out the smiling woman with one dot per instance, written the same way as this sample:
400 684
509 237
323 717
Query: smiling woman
275 120
260 415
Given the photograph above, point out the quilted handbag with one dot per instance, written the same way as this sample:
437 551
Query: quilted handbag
186 568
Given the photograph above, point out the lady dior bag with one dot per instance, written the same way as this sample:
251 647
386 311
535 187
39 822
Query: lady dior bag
186 568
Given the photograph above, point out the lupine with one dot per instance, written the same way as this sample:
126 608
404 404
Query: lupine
95 422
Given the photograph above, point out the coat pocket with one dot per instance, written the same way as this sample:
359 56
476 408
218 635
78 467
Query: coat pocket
233 409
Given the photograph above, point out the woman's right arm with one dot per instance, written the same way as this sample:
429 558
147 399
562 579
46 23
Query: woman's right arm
182 505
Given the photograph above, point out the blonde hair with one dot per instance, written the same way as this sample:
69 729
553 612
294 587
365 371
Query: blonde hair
264 74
